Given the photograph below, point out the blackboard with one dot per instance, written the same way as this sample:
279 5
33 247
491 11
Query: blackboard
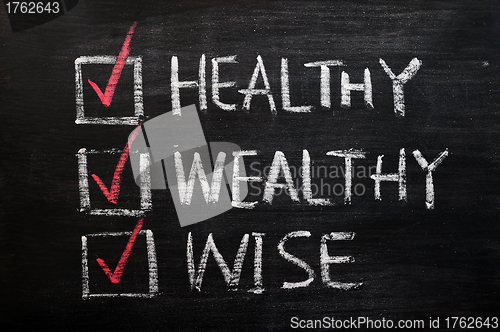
409 258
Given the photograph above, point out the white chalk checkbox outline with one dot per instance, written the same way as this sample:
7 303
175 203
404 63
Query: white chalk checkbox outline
83 184
152 266
109 60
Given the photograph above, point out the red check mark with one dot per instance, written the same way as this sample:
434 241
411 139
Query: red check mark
112 194
107 96
117 275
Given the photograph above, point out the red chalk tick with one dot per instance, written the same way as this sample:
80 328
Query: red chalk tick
107 96
117 275
112 194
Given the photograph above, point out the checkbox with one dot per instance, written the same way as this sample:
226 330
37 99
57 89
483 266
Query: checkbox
136 61
144 188
152 268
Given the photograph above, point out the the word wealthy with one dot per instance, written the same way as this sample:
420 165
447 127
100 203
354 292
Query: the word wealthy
281 169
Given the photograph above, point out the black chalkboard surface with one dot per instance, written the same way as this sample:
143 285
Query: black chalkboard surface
367 134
